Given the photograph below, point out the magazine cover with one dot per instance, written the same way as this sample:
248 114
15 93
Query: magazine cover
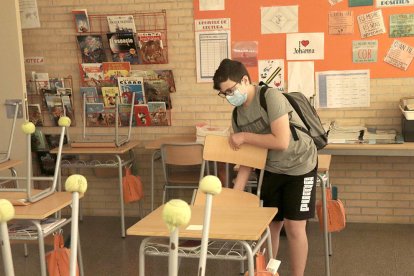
142 115
151 48
121 23
91 94
91 48
66 91
81 20
113 70
67 104
109 117
109 95
163 74
55 107
41 80
158 113
91 71
35 114
157 90
56 83
123 47
94 108
124 114
129 86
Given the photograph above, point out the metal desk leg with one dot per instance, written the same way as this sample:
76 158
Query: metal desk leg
325 228
41 241
141 263
80 258
121 195
154 156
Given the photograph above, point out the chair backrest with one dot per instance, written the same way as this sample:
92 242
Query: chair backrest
229 197
217 148
185 154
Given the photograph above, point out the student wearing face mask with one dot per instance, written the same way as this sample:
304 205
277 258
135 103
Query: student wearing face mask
291 166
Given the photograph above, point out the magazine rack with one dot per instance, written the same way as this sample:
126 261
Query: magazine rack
30 194
110 115
45 106
5 155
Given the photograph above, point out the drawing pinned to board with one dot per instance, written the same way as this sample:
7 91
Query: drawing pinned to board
371 24
271 72
305 46
301 77
400 55
364 51
276 20
211 5
402 25
245 52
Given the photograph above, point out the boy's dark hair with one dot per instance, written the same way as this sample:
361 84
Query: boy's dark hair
229 69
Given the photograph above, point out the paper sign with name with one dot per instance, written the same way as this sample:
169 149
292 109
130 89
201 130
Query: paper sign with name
305 46
400 55
364 51
245 52
371 24
34 60
402 25
394 3
341 22
271 72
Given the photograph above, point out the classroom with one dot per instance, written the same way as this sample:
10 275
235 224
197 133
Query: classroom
357 73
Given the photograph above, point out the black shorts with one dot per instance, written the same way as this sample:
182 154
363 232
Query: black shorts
293 195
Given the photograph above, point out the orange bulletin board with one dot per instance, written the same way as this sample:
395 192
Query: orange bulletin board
245 18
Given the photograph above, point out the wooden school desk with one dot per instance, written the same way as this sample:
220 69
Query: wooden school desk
39 210
228 224
112 153
405 149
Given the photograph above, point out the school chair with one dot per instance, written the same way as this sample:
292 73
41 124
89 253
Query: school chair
6 214
183 166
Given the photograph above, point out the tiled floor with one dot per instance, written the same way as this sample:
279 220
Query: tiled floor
359 250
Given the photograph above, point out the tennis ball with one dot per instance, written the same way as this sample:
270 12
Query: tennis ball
210 184
176 213
28 128
64 121
6 210
76 183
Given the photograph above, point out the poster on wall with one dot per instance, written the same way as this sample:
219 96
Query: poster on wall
400 55
29 14
213 44
271 72
305 46
245 52
282 19
402 25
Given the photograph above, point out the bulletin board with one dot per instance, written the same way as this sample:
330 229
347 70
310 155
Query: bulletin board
245 18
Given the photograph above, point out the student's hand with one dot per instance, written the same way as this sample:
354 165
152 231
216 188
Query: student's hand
236 140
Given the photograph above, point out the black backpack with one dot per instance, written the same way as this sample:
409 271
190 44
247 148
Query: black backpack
306 112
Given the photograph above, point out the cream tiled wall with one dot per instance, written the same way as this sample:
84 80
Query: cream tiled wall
374 189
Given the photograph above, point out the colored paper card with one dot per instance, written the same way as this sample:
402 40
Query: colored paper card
282 19
371 24
271 72
400 55
388 3
301 77
305 46
402 25
358 3
364 51
341 22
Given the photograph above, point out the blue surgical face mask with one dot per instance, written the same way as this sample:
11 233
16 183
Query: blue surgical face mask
237 99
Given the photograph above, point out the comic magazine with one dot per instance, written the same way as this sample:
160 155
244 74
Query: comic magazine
142 115
151 48
129 86
121 23
123 47
113 70
91 48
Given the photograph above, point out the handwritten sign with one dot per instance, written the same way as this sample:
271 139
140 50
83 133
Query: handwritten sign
401 25
400 55
364 51
371 24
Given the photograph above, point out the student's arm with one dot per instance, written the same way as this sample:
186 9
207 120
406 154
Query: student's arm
242 178
277 140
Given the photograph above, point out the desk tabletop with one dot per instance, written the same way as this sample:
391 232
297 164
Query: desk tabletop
116 150
40 209
9 164
245 223
156 144
405 149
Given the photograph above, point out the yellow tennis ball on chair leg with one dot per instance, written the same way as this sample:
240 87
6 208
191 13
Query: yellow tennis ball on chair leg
176 213
6 210
64 121
76 183
28 128
210 184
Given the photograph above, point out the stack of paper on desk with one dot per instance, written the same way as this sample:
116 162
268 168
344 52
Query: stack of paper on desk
346 134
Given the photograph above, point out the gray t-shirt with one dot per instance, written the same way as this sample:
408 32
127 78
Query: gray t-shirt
301 155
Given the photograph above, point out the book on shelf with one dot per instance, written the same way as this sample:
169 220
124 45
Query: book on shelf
91 71
162 74
38 141
56 83
151 48
91 94
109 117
64 91
91 48
142 115
123 47
55 107
121 23
94 119
35 114
113 70
25 229
81 20
158 113
129 86
109 95
68 108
